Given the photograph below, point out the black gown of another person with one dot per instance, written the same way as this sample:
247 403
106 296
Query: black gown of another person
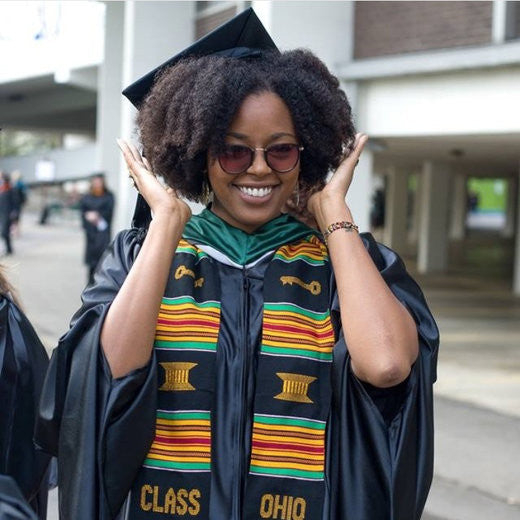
379 454
13 505
97 235
7 210
19 200
23 364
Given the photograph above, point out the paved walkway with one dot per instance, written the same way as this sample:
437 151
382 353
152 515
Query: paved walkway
477 472
479 360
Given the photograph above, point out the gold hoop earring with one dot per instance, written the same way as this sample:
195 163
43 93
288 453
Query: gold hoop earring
297 201
207 194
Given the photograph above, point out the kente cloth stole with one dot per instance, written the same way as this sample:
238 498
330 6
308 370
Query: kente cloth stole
292 400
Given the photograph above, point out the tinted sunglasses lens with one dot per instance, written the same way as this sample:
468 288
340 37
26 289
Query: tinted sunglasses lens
235 159
283 157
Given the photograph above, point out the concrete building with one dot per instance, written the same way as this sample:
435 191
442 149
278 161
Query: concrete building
434 84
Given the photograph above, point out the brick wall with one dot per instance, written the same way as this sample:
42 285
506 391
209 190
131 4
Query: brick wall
205 24
383 28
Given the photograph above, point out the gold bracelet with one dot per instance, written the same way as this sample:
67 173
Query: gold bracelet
347 226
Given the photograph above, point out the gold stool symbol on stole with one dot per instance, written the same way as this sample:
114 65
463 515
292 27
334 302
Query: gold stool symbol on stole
177 376
295 387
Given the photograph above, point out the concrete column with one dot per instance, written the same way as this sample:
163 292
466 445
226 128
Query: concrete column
516 275
359 197
325 27
433 230
109 104
396 208
498 30
416 209
458 207
139 36
511 208
360 191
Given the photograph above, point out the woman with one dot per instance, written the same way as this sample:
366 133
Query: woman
210 355
23 362
96 216
7 210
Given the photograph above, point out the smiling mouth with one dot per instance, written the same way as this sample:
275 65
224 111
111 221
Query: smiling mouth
256 192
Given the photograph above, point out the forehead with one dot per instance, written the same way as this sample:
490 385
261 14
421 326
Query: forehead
262 111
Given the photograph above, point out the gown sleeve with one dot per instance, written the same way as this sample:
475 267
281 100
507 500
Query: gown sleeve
13 505
23 363
99 427
381 467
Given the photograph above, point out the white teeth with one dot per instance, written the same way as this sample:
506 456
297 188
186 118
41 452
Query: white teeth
256 192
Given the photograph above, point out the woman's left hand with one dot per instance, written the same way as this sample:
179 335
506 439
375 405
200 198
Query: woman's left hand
329 204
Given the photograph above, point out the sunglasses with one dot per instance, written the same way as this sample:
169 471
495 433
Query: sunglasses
237 158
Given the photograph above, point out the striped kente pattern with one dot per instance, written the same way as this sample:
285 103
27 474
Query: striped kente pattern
289 330
182 441
289 447
309 250
185 324
186 247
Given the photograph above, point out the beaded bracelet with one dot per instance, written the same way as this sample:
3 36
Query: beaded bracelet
347 226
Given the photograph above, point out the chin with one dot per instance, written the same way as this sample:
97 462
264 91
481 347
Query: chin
252 223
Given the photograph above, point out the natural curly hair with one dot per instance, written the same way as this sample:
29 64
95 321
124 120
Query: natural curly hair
191 106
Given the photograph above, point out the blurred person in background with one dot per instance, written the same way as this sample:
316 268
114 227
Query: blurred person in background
23 364
96 208
7 210
377 210
19 198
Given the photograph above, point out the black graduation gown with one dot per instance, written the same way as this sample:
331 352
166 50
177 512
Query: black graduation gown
23 363
13 505
97 240
102 428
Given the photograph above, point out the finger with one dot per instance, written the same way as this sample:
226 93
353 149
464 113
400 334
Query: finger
353 157
132 156
147 164
125 150
346 167
344 174
136 154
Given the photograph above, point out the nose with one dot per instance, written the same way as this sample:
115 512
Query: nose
259 165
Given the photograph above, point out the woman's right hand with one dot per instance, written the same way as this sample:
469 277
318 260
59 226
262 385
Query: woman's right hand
163 201
128 332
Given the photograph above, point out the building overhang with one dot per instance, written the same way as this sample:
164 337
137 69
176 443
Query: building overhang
432 62
63 101
484 155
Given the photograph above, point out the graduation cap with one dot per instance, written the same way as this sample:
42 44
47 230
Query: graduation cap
242 36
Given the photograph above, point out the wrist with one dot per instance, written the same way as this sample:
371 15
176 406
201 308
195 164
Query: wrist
343 225
169 223
177 217
332 215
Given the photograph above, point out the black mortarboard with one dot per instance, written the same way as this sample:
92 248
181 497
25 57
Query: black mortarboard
242 36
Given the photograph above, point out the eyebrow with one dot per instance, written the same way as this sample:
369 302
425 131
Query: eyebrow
272 136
